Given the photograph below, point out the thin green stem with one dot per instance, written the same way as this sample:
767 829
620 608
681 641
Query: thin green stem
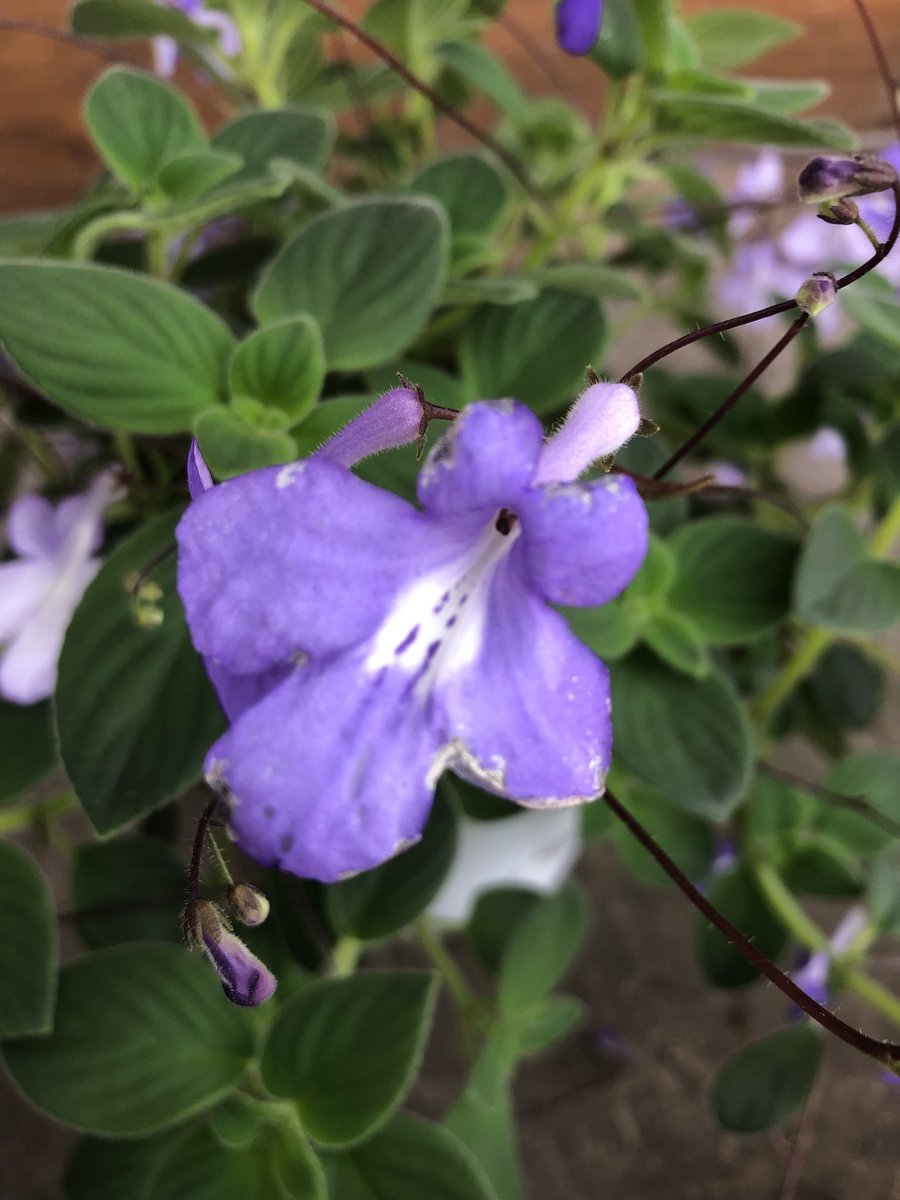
345 956
805 656
472 1008
886 532
24 816
220 859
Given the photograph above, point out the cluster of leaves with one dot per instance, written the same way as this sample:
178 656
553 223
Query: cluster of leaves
255 289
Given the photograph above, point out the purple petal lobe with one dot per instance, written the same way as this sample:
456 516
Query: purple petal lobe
392 420
198 476
293 560
528 715
239 692
31 527
578 25
582 543
600 421
483 461
245 980
330 774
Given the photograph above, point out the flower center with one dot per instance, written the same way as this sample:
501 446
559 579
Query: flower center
437 624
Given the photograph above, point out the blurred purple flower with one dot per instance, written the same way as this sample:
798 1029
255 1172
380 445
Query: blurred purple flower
362 646
578 25
812 976
165 49
40 591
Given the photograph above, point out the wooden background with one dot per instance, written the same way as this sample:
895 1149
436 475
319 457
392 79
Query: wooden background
47 160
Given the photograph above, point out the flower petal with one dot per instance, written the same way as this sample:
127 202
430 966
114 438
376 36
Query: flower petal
237 693
23 585
483 461
582 543
199 478
578 25
601 420
330 774
294 560
528 716
31 527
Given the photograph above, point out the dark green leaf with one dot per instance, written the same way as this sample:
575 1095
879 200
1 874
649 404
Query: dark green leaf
542 948
618 49
735 894
495 919
300 134
688 738
347 1050
536 351
114 349
369 273
822 868
677 642
135 712
847 686
134 18
139 124
766 1082
383 901
733 579
131 890
282 366
27 747
27 946
99 1169
410 1159
143 1039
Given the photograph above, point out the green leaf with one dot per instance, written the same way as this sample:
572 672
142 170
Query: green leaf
239 1119
735 894
486 75
733 578
135 712
139 124
134 18
688 738
788 98
300 133
618 50
872 774
377 903
837 585
687 839
347 1050
281 365
548 1021
542 948
188 176
143 1039
232 446
590 279
693 116
875 309
472 192
609 631
369 273
27 946
410 1159
535 351
130 890
27 747
677 642
847 686
200 1167
495 918
733 37
99 1169
489 289
114 349
822 868
766 1082
482 1117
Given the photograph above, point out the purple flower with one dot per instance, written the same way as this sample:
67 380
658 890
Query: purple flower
825 178
578 25
165 49
245 980
40 591
361 646
812 976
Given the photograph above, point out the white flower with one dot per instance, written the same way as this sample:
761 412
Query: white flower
535 850
40 590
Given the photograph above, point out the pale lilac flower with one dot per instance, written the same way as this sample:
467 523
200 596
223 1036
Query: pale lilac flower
40 590
812 977
245 980
578 24
362 646
534 850
815 467
165 49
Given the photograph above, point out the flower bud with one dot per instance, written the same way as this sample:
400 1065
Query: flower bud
245 980
839 212
817 293
393 420
825 178
249 905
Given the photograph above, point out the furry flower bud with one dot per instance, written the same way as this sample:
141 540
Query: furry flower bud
245 980
817 293
249 905
826 178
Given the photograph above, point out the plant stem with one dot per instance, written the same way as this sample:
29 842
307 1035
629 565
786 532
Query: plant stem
14 820
887 531
471 1007
345 956
801 662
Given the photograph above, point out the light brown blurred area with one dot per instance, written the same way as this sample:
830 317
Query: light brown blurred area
47 160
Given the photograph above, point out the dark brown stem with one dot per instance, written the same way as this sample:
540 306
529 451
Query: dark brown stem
883 1052
725 407
67 39
400 68
884 67
193 896
857 804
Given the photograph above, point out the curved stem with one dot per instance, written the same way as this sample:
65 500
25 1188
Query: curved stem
801 662
887 1053
884 67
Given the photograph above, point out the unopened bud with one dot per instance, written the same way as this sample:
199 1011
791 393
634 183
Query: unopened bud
839 212
245 980
825 178
393 420
249 905
817 293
